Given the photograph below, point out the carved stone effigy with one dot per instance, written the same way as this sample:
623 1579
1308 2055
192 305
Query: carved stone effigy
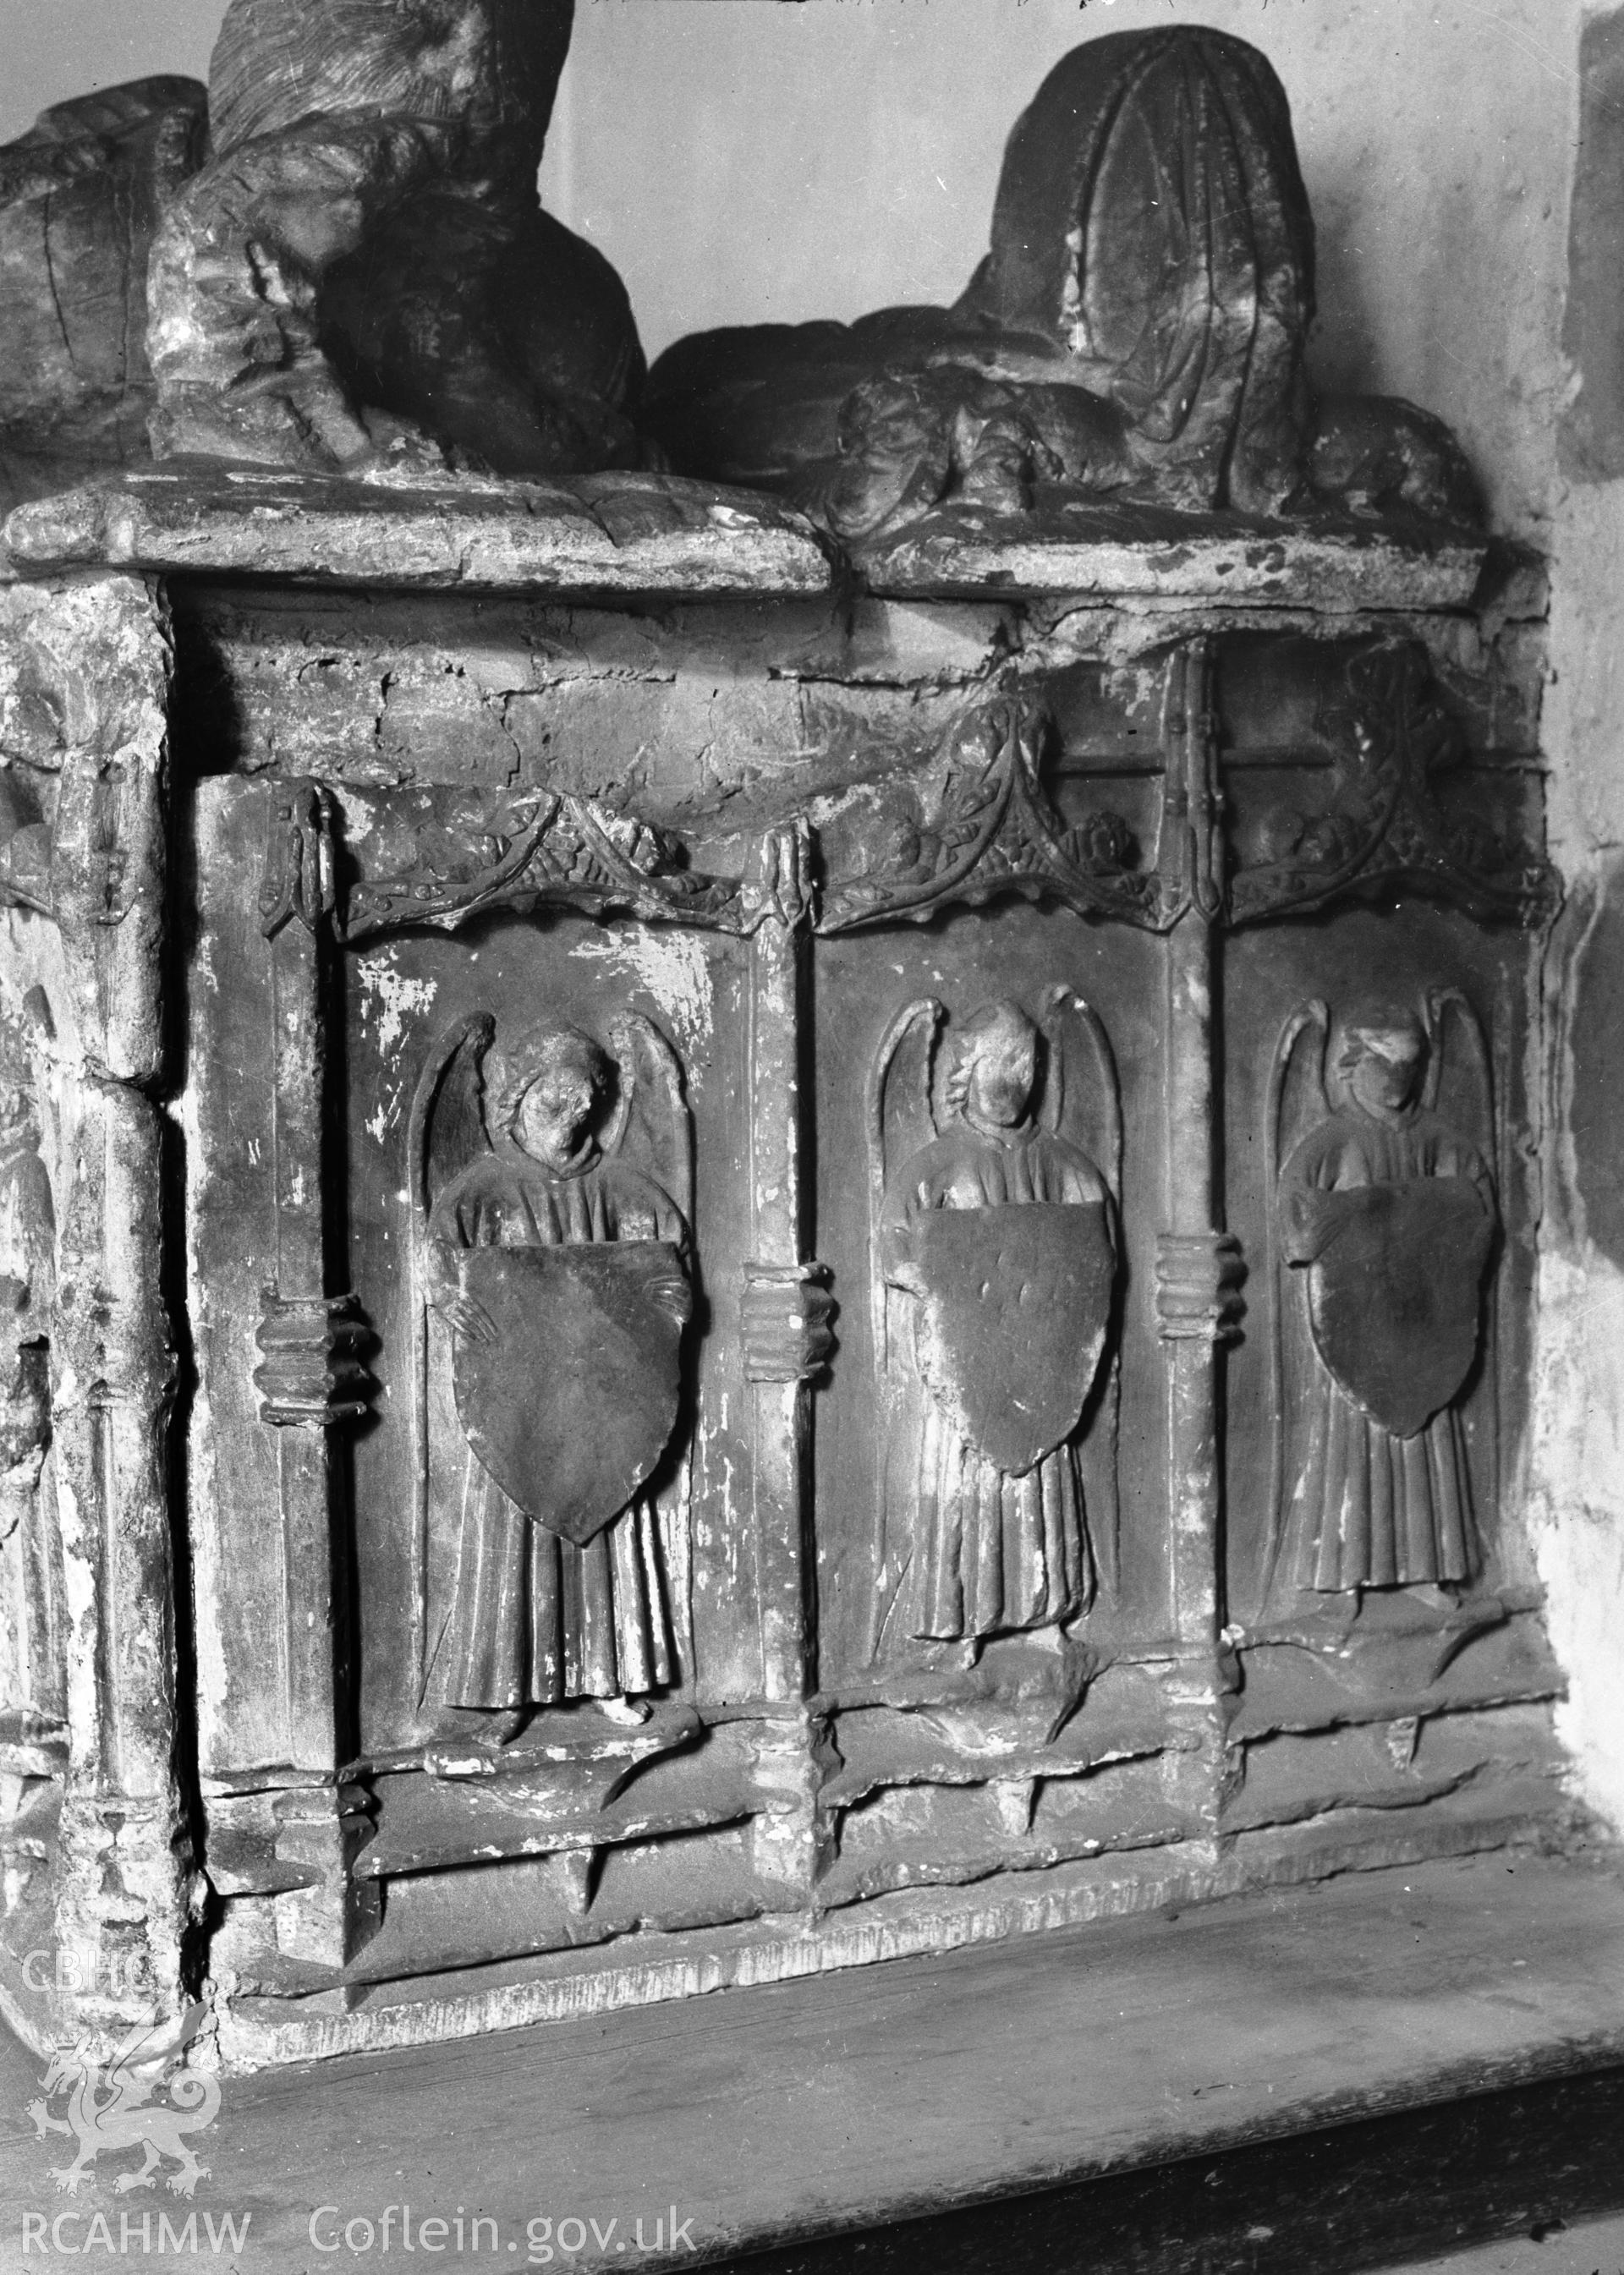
853 1242
82 195
366 239
337 259
1137 332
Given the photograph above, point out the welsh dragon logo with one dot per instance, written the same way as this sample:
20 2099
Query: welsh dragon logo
110 2107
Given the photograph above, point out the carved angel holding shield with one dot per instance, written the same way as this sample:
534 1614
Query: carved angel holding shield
556 1256
1384 1218
995 1256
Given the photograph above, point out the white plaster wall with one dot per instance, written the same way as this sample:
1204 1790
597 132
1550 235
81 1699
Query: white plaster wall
57 49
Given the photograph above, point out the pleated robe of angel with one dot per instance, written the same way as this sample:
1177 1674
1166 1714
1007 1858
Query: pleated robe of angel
535 1619
1370 1509
980 1552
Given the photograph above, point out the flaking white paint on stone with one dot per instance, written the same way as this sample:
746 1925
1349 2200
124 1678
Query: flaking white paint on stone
79 1596
391 997
392 1001
674 969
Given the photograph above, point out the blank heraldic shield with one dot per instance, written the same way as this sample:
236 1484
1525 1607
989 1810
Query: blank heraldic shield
1396 1294
570 1401
1013 1310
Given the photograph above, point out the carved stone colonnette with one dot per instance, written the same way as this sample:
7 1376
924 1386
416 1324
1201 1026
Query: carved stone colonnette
97 1831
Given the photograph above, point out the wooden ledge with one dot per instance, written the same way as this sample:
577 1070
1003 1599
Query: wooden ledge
929 2087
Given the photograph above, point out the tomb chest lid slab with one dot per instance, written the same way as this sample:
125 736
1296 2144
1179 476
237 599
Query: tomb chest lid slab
653 533
597 533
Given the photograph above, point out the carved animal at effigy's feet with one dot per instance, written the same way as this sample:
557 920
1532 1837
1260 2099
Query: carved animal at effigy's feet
1137 331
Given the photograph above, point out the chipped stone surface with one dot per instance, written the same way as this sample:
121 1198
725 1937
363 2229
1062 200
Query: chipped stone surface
87 676
905 1923
593 533
1129 553
505 761
81 195
493 871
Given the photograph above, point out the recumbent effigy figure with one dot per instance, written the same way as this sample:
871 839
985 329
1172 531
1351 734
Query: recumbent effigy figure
359 268
1385 1216
996 1250
557 1257
1137 332
367 238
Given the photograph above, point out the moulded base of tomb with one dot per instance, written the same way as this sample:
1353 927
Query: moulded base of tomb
296 2019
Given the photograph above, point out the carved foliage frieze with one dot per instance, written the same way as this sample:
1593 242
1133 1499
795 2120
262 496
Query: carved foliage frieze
536 851
975 825
1384 822
970 823
979 824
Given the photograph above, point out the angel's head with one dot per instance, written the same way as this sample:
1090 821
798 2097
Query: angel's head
548 1088
1383 1059
995 1068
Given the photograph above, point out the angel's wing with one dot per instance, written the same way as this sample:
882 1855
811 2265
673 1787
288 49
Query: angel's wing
1087 1112
650 1127
1297 1103
446 1128
1461 1088
1460 1083
445 1132
898 1120
1067 1100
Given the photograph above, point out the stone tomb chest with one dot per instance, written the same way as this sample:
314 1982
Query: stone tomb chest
751 1268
